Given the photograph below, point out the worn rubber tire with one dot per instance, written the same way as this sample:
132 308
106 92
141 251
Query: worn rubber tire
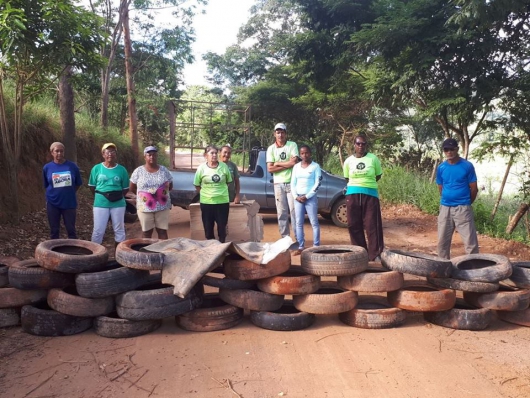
130 253
464 286
40 320
224 282
213 314
286 318
114 327
413 263
373 312
67 301
5 263
236 267
28 275
521 274
11 297
251 299
517 317
481 268
461 317
334 260
111 282
421 296
9 317
293 281
373 280
72 256
156 302
328 299
339 213
505 299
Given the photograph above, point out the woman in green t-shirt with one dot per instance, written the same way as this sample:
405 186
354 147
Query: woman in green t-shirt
211 182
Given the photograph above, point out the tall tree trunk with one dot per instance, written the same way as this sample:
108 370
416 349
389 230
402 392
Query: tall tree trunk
131 95
501 190
514 220
66 109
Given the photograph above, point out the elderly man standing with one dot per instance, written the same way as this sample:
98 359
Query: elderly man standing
281 157
457 183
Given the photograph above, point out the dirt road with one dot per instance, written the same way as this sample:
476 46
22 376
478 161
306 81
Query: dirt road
329 359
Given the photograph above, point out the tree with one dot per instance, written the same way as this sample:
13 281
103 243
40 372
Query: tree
37 38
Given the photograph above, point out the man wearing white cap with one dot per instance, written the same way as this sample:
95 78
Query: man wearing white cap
281 157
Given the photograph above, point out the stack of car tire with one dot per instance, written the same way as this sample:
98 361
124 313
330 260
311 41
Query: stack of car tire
71 286
485 282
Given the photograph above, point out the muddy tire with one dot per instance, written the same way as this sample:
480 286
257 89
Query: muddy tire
334 260
28 275
521 274
40 320
213 314
11 297
67 301
156 302
464 286
114 327
111 282
328 299
9 317
236 267
293 281
413 263
481 268
131 253
251 299
286 318
462 317
420 296
5 263
373 312
505 299
72 256
373 280
339 214
517 317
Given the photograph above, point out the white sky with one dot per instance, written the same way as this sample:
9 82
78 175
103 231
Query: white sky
215 31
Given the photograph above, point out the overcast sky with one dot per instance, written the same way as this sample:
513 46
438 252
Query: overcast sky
215 31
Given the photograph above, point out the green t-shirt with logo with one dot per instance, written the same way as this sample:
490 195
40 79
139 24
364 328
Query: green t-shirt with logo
235 174
282 154
106 179
361 172
213 182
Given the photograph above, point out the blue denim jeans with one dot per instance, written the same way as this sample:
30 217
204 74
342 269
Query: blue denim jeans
284 206
311 208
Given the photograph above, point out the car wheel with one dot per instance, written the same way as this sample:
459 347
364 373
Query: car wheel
338 213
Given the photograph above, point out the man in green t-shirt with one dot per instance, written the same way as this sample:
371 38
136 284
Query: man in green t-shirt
281 157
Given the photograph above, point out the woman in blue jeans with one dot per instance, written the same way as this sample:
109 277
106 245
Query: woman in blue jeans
305 182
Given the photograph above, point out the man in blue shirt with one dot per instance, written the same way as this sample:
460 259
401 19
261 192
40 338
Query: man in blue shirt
457 183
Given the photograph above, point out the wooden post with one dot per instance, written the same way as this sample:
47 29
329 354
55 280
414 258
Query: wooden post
172 126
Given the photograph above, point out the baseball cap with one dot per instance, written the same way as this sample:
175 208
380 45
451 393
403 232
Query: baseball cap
108 145
150 149
450 143
280 126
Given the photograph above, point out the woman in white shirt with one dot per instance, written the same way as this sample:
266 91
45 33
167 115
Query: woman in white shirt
305 182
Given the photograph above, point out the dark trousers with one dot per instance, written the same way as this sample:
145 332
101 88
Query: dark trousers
54 219
364 214
215 214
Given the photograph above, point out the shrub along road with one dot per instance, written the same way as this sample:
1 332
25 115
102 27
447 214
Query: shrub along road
329 359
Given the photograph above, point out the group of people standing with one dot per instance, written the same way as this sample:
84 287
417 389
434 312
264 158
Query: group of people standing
109 183
297 179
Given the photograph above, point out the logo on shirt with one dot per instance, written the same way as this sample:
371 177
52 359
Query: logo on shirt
361 166
216 178
62 179
283 156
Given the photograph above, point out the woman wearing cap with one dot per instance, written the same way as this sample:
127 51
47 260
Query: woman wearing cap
61 179
211 182
151 183
363 209
109 182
